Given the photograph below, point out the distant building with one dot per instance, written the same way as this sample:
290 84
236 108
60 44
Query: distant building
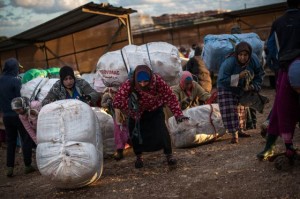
140 21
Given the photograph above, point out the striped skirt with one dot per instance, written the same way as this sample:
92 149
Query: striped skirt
228 104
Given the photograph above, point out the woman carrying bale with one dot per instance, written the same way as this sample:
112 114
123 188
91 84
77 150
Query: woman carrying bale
142 97
189 93
69 87
240 72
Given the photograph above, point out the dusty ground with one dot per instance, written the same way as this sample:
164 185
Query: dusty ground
217 170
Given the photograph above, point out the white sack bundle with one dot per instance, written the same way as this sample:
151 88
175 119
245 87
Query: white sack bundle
69 151
205 124
107 130
33 86
163 58
44 90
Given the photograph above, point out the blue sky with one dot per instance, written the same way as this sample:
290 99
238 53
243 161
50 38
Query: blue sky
17 16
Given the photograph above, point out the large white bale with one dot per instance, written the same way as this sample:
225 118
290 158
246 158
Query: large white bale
44 90
163 58
33 86
89 77
205 125
107 130
98 84
112 69
70 149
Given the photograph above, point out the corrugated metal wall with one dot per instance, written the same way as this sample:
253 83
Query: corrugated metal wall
186 36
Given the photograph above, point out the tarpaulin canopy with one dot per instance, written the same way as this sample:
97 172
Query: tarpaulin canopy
81 18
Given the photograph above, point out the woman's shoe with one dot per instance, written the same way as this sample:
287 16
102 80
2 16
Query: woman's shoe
139 163
269 148
234 140
171 160
242 134
29 169
119 155
10 172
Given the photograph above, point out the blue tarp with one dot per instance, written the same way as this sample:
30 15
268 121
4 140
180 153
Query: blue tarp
218 47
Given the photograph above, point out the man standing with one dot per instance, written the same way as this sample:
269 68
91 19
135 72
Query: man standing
10 86
285 112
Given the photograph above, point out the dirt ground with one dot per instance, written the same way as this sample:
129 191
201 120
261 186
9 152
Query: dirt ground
219 170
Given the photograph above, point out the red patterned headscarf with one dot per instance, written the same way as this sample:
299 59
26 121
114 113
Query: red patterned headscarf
186 76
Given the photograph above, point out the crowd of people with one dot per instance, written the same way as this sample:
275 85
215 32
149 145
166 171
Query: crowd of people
138 106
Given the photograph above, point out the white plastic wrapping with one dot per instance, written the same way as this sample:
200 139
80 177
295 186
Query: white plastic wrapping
163 58
204 125
43 92
70 149
107 130
33 86
89 77
98 84
40 86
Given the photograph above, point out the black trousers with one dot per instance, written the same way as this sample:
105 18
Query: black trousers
13 126
153 131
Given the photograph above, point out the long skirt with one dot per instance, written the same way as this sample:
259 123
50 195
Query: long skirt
150 133
228 104
121 135
285 112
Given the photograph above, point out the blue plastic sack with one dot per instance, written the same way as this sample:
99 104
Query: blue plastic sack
218 47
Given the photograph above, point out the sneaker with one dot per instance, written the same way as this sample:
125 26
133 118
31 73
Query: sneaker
242 134
10 172
29 169
139 163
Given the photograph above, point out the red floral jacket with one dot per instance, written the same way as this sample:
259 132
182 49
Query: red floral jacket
159 94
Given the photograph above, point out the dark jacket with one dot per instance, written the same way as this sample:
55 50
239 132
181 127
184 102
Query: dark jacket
193 67
10 86
58 91
231 67
287 30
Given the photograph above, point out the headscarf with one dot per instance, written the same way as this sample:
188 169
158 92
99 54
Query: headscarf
243 46
186 76
141 71
294 74
143 76
65 71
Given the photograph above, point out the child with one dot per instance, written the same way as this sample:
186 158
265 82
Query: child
28 114
120 122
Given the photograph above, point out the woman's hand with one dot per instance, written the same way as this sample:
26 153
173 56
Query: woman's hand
182 119
243 74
